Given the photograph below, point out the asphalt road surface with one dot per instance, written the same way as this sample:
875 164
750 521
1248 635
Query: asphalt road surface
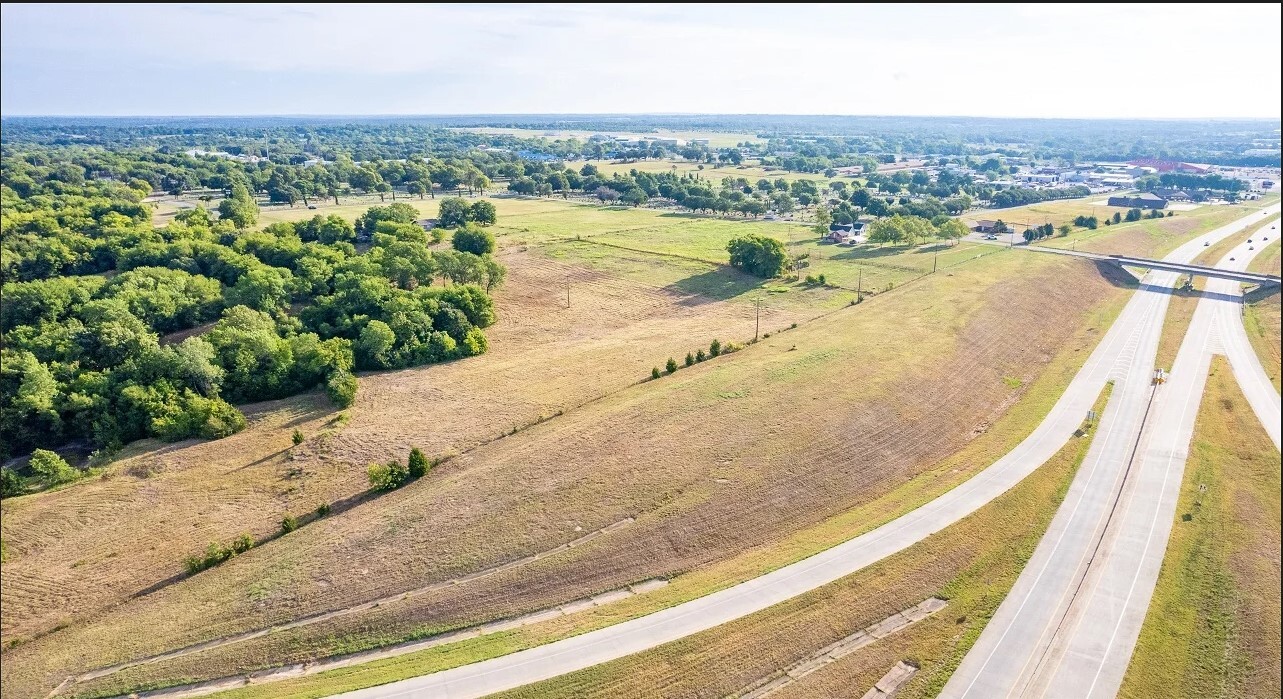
1122 347
1068 626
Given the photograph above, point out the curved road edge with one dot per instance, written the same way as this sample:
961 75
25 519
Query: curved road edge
579 652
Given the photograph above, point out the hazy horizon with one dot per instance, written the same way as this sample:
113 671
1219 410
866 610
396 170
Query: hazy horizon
1026 61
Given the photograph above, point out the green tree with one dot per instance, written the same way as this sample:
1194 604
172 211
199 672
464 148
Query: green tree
714 348
690 359
472 239
483 213
758 255
341 388
454 212
388 476
374 347
953 230
297 437
671 366
822 220
886 230
288 523
51 468
418 463
10 483
654 373
239 208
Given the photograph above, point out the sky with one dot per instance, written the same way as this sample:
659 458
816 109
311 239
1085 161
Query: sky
1121 61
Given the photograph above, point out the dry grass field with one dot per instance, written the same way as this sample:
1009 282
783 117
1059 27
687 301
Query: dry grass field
78 549
1213 624
716 460
1149 237
971 564
1262 316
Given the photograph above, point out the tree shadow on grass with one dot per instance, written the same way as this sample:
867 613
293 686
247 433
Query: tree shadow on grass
867 253
719 284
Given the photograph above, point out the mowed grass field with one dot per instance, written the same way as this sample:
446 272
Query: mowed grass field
716 460
1261 317
971 564
1213 625
1053 212
1150 237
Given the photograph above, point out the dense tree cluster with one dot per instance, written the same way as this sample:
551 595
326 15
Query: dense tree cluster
1020 196
115 330
758 255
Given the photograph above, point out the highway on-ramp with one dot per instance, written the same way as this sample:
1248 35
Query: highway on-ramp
1068 626
1115 357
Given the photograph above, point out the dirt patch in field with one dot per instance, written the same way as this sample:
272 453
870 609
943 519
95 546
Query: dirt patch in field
713 461
77 550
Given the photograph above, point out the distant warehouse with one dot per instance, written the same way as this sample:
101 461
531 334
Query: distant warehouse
1144 200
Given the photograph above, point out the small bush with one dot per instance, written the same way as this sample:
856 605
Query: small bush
714 348
389 476
690 359
10 483
243 543
811 281
671 366
322 509
289 523
793 326
341 388
822 280
700 356
297 437
51 468
654 373
418 463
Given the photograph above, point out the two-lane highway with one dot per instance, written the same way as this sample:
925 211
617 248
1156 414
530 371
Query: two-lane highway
1090 657
1042 641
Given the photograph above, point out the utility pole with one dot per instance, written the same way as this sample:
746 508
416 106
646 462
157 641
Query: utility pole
859 286
567 294
935 260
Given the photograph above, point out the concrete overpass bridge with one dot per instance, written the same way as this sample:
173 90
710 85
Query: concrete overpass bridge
1245 277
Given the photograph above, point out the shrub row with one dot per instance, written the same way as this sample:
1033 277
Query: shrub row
715 348
216 553
394 474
